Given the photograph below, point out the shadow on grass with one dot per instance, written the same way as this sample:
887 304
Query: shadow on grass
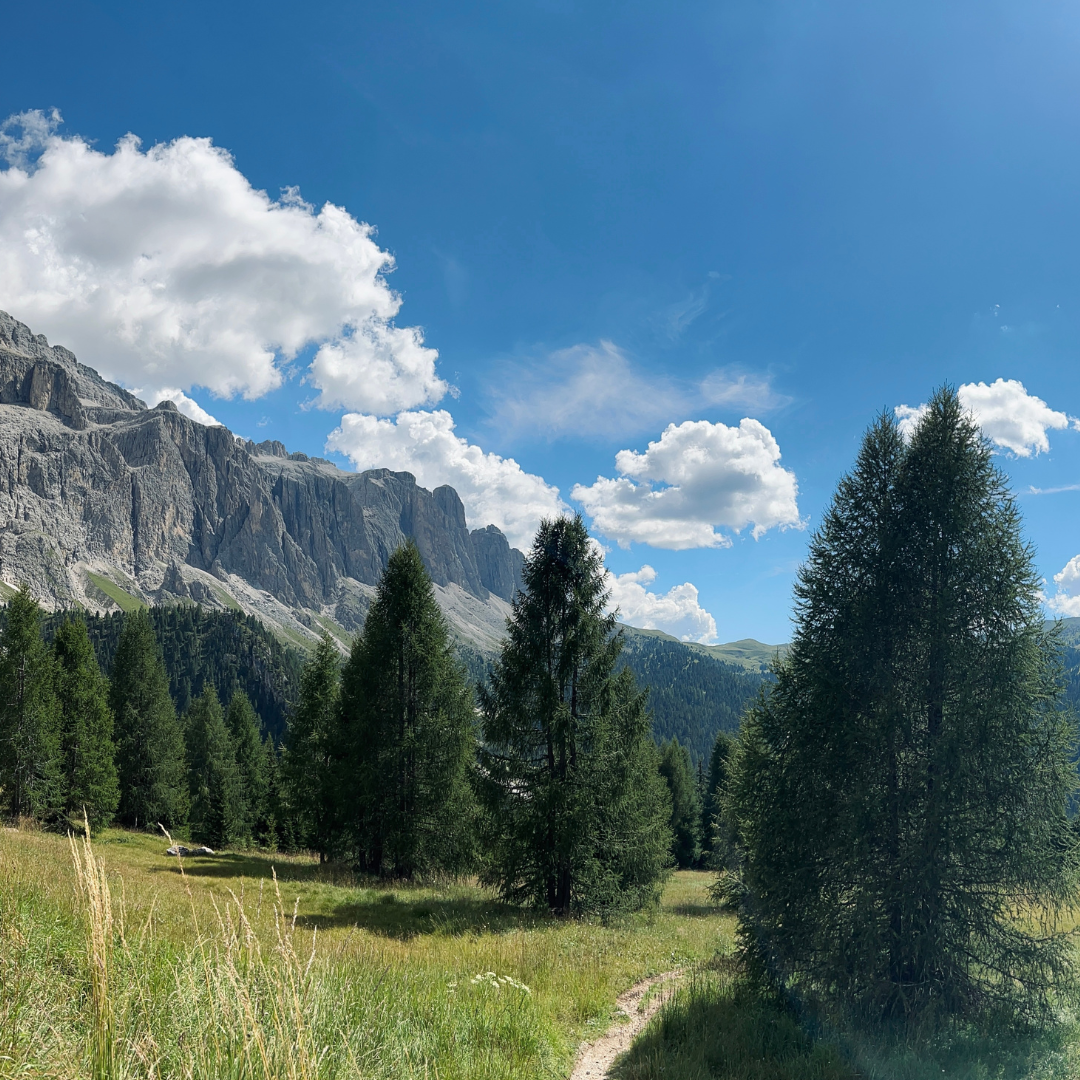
391 909
694 911
716 1029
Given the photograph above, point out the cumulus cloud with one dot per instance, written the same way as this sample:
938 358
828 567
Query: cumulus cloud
676 612
1009 416
1067 600
494 489
165 266
596 390
698 478
185 404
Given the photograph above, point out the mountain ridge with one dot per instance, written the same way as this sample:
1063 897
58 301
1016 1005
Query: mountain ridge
103 498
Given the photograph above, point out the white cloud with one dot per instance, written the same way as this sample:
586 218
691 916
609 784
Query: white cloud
676 612
1009 416
1067 600
910 416
167 267
185 404
699 477
596 390
494 489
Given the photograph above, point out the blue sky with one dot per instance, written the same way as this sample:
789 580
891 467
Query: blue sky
606 218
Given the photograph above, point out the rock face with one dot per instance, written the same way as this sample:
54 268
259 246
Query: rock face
106 502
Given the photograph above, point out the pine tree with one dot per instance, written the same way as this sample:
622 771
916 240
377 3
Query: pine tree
309 765
216 802
408 717
253 768
712 830
86 724
678 772
900 796
150 757
29 713
578 813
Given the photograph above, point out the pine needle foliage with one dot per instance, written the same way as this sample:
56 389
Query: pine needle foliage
217 813
150 757
308 774
678 772
899 798
577 810
253 770
91 787
408 718
30 776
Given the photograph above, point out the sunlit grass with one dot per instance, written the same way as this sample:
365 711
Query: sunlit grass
222 971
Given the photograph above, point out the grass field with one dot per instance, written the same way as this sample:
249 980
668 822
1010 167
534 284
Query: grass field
223 972
227 971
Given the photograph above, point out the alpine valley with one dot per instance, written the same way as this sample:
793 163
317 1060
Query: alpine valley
108 505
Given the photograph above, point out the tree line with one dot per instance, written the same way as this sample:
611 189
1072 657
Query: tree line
73 742
544 780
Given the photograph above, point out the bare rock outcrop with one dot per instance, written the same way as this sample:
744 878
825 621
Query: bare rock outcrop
102 498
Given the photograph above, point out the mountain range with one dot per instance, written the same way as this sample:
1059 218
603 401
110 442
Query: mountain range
106 503
109 505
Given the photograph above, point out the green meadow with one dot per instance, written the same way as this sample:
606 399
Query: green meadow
258 965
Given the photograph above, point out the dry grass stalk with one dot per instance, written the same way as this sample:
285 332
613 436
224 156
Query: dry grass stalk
93 889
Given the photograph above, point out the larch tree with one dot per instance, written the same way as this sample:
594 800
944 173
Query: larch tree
578 814
309 773
30 773
899 798
150 754
408 719
86 727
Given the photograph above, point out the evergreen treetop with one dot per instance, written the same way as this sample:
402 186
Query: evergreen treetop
409 724
86 722
150 755
901 793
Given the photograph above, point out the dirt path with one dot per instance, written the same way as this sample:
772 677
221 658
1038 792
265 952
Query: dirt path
596 1058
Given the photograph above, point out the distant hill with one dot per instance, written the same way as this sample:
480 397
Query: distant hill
694 691
748 654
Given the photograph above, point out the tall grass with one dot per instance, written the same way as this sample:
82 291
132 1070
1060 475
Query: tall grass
93 888
139 966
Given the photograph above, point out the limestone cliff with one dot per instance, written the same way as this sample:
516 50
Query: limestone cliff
105 502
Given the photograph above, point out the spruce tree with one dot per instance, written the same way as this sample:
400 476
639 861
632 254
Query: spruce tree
715 784
309 765
408 718
30 770
578 812
253 768
899 798
678 772
150 756
86 724
216 813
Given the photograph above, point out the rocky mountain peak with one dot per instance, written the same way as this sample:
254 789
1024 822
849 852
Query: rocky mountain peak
105 503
